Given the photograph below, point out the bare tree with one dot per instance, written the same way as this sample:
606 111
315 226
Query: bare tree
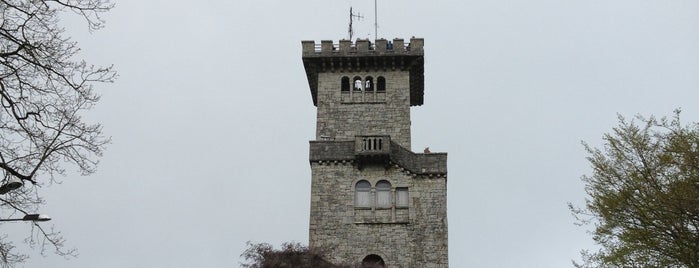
43 93
263 255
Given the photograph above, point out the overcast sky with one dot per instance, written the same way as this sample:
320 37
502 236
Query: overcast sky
211 118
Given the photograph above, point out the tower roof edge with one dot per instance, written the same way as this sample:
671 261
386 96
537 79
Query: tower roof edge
383 54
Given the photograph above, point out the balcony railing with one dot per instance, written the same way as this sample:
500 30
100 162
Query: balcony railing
372 144
377 150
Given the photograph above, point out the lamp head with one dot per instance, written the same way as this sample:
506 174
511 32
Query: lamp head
11 184
36 217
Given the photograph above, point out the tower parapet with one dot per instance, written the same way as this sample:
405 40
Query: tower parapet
363 55
363 46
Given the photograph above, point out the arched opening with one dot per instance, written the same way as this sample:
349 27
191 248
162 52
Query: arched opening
369 83
381 84
373 261
362 194
358 85
345 84
383 194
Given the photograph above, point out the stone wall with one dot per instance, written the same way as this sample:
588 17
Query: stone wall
342 120
353 233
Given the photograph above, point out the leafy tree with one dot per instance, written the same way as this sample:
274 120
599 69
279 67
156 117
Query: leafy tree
291 255
644 195
43 93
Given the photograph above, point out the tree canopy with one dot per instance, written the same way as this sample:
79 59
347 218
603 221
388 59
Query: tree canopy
644 195
44 92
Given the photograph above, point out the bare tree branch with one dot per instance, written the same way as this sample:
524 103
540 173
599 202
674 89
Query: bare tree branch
43 92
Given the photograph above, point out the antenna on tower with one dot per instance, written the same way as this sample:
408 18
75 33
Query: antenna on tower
351 18
376 22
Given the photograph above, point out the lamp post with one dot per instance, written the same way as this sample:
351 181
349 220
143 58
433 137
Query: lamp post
31 217
12 183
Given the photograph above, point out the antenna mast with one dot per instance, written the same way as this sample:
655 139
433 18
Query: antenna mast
376 23
351 18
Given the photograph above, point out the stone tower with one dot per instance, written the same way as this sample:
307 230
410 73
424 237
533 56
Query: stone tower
373 200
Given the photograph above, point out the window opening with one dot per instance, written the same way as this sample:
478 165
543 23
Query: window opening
345 84
373 261
402 197
357 83
362 194
369 83
380 83
383 194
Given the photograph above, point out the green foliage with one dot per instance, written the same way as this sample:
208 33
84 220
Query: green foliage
644 195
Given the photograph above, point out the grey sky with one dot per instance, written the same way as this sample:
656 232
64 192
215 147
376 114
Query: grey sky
212 115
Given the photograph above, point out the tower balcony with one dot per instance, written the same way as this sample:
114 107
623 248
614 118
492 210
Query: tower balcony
372 145
372 150
377 150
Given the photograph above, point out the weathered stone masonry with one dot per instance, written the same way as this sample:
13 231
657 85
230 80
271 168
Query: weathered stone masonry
363 135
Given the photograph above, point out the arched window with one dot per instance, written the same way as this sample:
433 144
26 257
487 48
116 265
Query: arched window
373 261
369 83
380 84
362 194
383 194
345 84
358 85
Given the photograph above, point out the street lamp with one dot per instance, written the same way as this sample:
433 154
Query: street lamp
12 183
31 217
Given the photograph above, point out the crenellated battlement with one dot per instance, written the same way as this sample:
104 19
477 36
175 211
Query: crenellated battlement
365 56
363 47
